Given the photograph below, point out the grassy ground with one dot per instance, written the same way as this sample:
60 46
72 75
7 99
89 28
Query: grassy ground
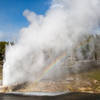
94 74
93 77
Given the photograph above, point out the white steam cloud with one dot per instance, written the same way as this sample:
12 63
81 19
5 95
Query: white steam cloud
56 31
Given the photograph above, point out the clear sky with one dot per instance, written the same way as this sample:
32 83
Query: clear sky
11 15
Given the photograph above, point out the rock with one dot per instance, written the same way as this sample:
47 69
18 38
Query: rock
4 89
82 89
95 81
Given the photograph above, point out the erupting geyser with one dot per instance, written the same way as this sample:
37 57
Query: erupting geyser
49 39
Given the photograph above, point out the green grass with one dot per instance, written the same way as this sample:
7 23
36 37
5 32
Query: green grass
94 74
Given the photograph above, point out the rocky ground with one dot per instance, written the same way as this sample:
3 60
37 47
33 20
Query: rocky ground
80 82
74 84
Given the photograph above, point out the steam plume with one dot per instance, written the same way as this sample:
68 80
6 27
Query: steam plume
47 37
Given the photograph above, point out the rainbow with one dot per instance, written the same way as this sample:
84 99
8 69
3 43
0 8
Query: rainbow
58 59
51 65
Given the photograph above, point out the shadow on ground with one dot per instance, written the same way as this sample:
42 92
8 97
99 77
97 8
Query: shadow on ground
68 96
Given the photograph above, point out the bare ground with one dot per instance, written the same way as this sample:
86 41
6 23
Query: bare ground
82 82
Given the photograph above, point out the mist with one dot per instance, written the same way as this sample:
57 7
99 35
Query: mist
64 25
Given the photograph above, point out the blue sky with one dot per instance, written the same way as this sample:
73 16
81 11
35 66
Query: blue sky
11 15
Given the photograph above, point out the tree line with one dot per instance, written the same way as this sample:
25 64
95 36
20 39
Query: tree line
3 45
2 49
